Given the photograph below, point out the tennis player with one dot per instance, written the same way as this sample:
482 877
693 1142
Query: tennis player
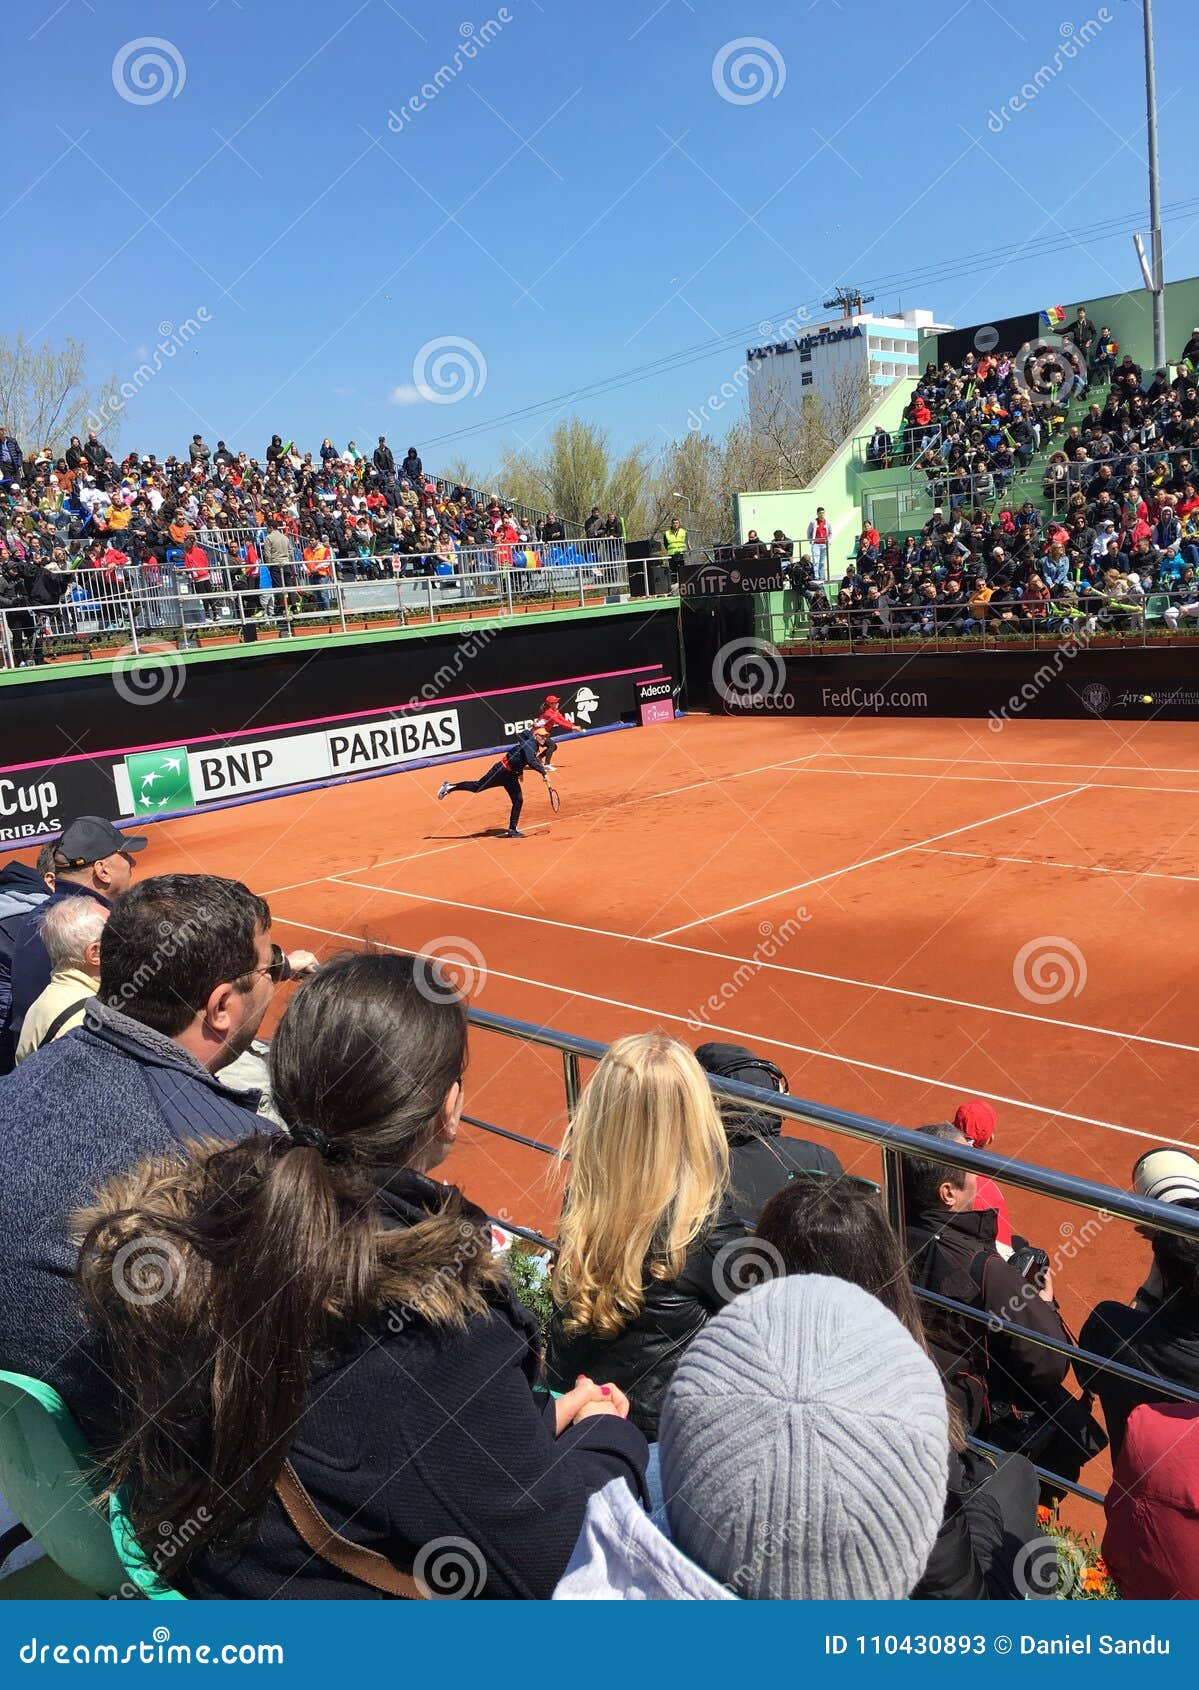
525 752
549 716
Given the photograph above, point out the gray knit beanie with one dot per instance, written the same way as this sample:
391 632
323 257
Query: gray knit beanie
805 1446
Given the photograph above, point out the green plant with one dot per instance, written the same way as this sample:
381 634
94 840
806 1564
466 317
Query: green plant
1082 1572
528 1268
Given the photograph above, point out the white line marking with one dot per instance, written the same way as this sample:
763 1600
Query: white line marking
868 862
773 967
961 1088
1043 862
761 769
1012 763
392 862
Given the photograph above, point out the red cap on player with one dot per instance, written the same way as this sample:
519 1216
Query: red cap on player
552 698
976 1121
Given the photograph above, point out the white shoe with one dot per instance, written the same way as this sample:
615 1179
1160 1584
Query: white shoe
443 789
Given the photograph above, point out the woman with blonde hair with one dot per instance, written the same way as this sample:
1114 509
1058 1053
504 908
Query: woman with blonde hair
647 1241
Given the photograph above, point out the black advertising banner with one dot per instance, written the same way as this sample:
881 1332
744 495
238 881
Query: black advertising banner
1051 683
1004 334
429 702
734 570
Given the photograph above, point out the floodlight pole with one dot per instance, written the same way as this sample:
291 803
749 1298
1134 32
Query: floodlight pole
1155 211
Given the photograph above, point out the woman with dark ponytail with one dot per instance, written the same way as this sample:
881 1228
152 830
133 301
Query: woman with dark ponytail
314 1343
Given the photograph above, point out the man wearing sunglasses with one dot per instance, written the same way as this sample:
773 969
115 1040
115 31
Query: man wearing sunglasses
188 970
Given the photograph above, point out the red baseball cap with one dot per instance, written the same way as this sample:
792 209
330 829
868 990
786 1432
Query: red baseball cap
976 1121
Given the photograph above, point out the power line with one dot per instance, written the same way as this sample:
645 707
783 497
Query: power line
928 276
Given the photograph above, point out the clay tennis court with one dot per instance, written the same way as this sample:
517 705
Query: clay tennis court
899 914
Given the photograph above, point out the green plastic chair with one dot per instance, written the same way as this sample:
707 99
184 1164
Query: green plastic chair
138 1570
1156 606
45 1468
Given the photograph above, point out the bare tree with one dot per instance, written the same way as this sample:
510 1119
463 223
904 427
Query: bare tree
461 474
44 393
848 399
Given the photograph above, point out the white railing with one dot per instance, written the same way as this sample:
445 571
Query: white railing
143 604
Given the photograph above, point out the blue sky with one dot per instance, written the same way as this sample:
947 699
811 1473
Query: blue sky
575 198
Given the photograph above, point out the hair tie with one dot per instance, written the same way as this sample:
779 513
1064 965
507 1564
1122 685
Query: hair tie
312 1138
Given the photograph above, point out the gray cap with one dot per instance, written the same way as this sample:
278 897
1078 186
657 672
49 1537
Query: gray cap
805 1446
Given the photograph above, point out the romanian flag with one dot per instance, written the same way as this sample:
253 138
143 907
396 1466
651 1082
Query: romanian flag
1053 316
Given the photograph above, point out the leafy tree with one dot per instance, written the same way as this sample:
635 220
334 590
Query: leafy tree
576 470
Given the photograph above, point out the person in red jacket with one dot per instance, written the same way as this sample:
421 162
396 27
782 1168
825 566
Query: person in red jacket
1151 1545
549 716
976 1122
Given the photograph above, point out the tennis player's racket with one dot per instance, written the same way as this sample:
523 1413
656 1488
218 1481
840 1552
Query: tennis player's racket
555 801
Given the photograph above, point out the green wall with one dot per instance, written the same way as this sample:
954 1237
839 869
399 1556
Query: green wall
837 487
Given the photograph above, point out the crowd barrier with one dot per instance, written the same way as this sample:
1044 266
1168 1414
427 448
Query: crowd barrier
930 482
145 603
893 1143
1157 618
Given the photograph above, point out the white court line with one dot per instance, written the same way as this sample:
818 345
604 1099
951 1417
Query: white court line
997 780
774 967
536 827
868 862
392 862
960 1088
1011 763
1043 862
767 768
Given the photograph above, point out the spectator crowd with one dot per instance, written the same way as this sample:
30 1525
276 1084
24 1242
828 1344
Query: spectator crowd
223 521
297 1338
1120 488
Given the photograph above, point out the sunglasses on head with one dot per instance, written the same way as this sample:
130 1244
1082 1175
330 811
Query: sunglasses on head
827 1173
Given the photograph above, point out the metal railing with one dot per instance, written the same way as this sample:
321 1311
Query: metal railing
1087 617
1026 477
146 604
904 443
893 1144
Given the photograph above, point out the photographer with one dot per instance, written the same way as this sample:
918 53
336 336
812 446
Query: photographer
951 1251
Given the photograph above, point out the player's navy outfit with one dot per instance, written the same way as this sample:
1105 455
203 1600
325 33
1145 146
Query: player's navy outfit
521 755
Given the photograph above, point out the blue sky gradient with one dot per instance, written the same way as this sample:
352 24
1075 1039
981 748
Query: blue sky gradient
578 199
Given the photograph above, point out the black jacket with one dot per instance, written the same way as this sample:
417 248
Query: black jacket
955 1255
419 1432
760 1163
990 1514
1162 1340
523 754
642 1358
